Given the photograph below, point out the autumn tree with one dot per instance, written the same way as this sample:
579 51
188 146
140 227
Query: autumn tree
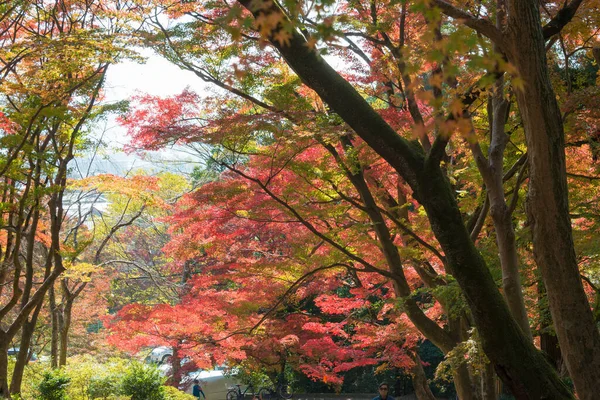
294 32
55 57
312 185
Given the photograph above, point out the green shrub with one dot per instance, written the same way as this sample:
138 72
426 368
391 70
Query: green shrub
104 387
172 393
88 376
143 382
54 386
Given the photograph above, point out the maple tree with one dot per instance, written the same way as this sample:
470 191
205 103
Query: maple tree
365 190
278 105
235 218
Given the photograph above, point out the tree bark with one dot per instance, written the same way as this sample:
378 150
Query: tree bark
22 358
55 329
4 344
65 325
492 171
548 205
24 350
419 381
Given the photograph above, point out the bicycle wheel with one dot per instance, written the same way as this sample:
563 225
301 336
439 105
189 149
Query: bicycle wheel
232 395
265 394
285 391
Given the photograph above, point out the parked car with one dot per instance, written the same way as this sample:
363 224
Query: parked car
160 355
215 384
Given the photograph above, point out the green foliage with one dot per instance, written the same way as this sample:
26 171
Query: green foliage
172 393
251 376
54 385
143 382
433 356
104 387
469 351
85 378
92 379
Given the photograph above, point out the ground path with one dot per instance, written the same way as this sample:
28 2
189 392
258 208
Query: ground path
350 396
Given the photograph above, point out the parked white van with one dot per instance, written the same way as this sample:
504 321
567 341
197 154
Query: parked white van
215 384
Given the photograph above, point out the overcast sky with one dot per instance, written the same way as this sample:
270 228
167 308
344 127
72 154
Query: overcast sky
157 77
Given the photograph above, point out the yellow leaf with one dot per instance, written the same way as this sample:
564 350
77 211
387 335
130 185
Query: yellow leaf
311 42
436 80
456 108
518 83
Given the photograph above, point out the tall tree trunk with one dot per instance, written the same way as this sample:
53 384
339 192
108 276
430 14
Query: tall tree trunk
176 366
488 383
463 384
4 344
65 318
492 172
24 350
548 204
55 329
548 340
419 381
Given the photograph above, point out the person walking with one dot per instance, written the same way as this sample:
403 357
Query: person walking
197 390
384 390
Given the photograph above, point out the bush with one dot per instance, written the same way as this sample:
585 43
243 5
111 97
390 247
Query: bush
91 378
54 386
104 387
143 382
172 393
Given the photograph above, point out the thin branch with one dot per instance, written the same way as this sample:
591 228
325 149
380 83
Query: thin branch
480 219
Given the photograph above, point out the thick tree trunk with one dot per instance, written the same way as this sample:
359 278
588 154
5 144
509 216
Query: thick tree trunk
488 383
176 367
419 381
463 383
548 205
518 363
4 345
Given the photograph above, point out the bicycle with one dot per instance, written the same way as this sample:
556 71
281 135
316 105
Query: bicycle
237 394
282 391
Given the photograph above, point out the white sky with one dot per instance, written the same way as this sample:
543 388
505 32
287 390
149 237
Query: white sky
156 76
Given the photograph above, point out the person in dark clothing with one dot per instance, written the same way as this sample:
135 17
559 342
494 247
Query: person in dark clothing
197 390
384 389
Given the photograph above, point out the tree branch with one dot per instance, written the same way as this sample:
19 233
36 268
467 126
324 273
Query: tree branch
482 26
561 19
